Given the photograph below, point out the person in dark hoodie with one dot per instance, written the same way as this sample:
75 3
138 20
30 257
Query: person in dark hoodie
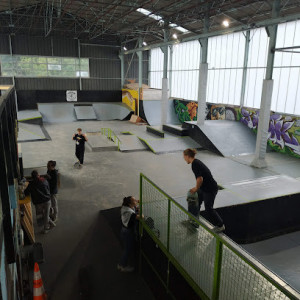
80 139
52 177
129 218
39 190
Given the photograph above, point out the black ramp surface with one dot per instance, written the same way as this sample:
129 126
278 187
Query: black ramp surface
229 138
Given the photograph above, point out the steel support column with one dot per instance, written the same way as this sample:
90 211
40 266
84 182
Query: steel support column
203 73
79 57
140 57
266 98
170 69
165 94
122 70
13 77
244 78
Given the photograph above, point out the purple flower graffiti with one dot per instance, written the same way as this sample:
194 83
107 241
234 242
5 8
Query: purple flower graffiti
250 119
279 128
278 133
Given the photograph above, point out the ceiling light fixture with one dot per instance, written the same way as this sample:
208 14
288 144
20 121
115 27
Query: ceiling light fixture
124 48
144 44
225 23
174 36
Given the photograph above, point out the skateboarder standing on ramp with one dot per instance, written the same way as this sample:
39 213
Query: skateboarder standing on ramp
80 139
206 187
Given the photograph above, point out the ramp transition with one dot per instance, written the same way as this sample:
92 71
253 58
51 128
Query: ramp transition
226 138
70 112
150 111
85 112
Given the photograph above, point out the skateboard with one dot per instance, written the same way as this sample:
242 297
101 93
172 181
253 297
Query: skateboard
77 165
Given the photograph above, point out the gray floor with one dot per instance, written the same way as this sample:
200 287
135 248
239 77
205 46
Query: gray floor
109 176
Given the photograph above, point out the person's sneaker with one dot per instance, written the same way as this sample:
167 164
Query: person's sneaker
125 269
219 229
185 222
194 223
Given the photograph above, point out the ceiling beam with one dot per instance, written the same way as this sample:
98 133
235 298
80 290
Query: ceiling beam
264 23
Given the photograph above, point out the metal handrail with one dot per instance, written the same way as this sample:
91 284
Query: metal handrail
110 134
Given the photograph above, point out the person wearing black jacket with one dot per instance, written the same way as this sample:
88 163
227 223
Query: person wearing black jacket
80 139
52 177
206 187
129 218
39 190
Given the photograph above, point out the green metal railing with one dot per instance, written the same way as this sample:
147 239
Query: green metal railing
111 135
213 265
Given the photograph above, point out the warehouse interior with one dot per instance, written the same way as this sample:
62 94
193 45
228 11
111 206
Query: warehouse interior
145 80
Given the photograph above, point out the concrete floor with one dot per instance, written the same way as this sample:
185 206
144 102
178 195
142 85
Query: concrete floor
103 182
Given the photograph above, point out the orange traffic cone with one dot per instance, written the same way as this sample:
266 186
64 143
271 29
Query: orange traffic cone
38 287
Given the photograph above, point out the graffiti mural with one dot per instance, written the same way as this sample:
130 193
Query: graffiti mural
283 133
186 110
248 117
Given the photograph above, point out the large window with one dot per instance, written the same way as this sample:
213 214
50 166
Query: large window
185 70
257 62
286 74
156 68
42 66
225 68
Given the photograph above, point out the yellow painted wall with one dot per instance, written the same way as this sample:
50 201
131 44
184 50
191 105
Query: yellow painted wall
130 98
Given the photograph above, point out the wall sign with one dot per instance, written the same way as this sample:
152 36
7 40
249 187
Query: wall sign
71 95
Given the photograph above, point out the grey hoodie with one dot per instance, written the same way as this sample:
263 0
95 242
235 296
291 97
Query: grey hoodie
126 214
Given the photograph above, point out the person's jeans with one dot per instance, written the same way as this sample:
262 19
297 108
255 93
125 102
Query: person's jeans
193 208
209 199
127 237
54 205
45 207
80 154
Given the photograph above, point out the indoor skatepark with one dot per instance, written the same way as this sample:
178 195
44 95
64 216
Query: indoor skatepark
228 90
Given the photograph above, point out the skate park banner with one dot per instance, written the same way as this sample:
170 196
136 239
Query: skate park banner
284 130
